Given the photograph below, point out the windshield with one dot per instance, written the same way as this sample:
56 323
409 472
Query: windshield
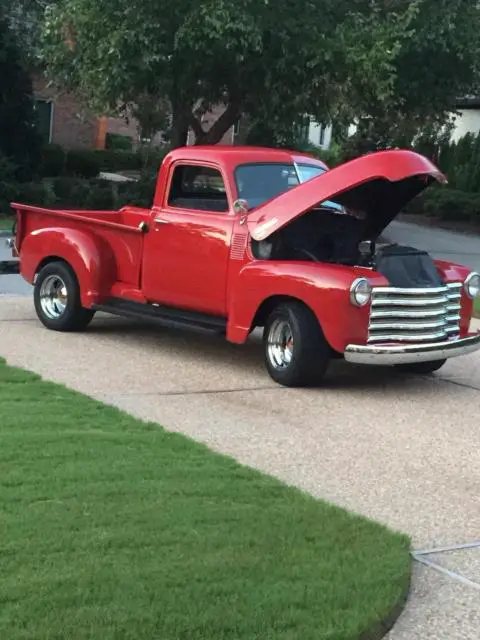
257 183
309 171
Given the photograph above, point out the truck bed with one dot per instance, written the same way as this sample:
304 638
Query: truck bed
117 231
126 218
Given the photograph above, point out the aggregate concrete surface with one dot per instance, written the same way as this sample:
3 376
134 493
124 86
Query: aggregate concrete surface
400 449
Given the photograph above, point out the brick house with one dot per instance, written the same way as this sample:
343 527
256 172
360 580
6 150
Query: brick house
65 121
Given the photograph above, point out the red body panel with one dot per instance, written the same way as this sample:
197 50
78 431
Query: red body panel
201 260
186 260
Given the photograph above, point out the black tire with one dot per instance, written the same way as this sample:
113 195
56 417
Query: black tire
58 316
310 352
421 368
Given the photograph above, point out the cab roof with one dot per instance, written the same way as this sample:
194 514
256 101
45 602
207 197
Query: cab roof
231 155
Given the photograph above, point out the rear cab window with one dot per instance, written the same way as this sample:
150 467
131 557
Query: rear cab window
198 188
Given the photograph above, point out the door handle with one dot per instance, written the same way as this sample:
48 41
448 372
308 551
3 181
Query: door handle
162 221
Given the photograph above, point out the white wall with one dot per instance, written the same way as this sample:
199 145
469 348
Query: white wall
319 135
467 122
315 133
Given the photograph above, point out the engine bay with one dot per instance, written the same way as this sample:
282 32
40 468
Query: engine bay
318 236
339 238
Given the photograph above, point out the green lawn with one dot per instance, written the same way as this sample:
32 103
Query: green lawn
476 309
111 528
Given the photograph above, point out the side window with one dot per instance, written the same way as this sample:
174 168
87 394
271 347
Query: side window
198 188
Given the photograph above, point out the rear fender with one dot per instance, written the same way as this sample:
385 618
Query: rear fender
89 256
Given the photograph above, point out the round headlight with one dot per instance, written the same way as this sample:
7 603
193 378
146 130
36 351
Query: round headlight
472 285
360 292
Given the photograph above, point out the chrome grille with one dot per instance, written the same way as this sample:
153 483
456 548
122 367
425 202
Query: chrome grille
415 315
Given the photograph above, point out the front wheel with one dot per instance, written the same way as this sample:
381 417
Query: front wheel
421 368
296 352
56 297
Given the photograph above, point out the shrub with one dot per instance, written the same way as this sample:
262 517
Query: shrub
332 157
35 193
119 142
447 204
460 161
114 160
139 194
102 197
70 193
7 185
82 164
52 162
55 162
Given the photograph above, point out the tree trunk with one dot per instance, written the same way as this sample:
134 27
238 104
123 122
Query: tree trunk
179 135
219 127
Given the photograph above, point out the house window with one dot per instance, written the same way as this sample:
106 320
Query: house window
198 188
44 112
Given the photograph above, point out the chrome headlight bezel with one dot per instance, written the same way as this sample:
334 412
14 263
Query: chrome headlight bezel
360 292
471 285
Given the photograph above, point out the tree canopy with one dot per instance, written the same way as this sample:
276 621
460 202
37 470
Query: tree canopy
393 66
269 59
437 64
19 142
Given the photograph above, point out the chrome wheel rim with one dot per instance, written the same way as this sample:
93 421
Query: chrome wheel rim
53 297
280 344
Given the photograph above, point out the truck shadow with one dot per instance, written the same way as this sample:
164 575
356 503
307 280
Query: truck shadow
216 351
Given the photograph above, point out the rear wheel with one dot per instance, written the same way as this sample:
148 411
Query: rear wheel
296 352
56 297
421 368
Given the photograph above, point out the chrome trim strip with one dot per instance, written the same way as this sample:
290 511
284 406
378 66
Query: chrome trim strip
409 302
410 326
406 337
405 354
406 313
418 291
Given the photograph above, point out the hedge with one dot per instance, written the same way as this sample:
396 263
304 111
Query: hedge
447 204
56 161
87 163
76 193
117 160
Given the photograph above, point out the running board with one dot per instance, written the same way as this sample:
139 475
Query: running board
165 316
9 267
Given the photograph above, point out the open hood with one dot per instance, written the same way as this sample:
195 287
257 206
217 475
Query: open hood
376 186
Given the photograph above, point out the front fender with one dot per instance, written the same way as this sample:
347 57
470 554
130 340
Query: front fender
323 288
89 257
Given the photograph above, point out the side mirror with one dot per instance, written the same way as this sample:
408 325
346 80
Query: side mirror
241 206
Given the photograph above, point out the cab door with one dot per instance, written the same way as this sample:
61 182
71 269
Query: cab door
186 252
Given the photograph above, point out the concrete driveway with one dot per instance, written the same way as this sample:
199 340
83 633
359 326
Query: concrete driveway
398 449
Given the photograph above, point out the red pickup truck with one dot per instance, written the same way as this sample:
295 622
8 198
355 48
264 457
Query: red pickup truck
244 237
